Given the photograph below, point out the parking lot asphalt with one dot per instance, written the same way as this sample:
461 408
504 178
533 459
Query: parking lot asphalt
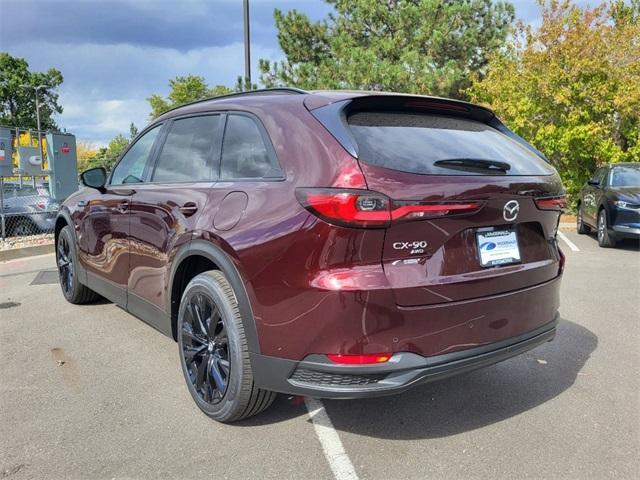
91 392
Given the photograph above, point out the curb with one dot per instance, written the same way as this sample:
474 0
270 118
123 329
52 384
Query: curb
14 253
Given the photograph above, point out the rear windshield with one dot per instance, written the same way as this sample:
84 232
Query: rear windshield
440 145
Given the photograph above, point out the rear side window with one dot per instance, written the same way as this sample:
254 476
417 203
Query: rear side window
439 145
245 154
188 151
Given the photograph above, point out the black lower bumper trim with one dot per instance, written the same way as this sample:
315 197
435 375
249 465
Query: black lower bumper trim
627 231
316 376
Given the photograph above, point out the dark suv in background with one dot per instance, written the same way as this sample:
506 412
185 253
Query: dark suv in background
610 203
330 244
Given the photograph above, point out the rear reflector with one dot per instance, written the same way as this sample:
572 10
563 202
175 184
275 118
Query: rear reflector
551 203
360 359
364 208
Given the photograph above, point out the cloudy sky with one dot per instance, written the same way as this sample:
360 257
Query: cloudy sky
114 54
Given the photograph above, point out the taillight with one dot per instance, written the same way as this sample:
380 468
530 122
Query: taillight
360 359
551 203
351 208
367 209
403 210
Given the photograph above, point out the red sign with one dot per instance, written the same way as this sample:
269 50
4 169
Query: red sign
65 148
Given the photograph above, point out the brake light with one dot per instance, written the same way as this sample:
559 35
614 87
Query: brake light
360 359
551 203
367 209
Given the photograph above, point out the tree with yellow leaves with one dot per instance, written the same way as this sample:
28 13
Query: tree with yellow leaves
86 152
571 86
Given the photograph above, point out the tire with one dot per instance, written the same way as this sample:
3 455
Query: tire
605 237
67 261
213 351
581 227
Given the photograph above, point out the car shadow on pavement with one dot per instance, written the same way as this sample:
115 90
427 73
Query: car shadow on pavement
628 244
461 403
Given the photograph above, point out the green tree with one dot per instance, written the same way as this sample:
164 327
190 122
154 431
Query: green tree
17 94
107 156
133 131
184 90
572 86
416 46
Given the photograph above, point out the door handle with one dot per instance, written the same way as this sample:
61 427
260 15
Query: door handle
123 207
189 209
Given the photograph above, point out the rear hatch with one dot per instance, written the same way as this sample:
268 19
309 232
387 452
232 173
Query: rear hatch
474 208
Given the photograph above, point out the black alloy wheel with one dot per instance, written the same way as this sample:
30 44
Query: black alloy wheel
605 238
214 353
580 225
205 348
65 265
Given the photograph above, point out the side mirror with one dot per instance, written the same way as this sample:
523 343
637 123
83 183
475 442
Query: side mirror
94 178
593 183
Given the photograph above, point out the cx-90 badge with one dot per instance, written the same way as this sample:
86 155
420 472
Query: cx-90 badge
511 210
416 246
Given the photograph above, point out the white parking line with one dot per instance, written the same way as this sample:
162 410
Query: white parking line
570 244
339 462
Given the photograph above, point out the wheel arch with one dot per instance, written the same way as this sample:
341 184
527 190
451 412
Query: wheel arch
604 206
62 221
208 256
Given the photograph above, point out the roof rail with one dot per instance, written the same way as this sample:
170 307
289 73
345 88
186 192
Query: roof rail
260 91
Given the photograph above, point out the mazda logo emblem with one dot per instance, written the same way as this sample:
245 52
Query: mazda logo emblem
511 210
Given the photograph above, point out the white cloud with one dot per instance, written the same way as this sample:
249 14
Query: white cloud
106 86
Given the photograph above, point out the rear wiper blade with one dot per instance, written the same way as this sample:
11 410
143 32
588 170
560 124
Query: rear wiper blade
473 163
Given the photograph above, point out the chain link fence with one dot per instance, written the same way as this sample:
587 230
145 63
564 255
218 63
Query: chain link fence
26 207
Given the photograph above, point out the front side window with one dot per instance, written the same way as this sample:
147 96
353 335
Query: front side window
130 169
188 151
244 152
598 177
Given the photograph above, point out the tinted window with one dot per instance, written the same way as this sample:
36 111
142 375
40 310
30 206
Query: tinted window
131 167
188 151
625 176
415 142
244 153
598 177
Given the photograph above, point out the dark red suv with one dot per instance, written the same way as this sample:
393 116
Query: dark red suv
329 244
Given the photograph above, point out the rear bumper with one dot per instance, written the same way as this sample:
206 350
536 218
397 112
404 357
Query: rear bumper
316 376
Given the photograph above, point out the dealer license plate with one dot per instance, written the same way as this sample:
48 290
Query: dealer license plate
498 247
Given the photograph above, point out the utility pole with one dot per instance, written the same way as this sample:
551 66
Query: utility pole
247 48
37 89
